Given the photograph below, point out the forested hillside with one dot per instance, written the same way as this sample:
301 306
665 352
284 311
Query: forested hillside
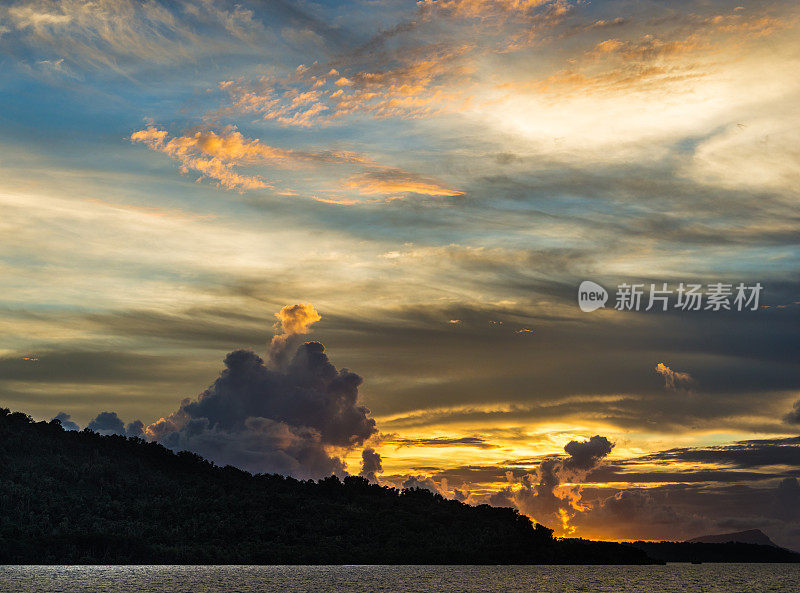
78 497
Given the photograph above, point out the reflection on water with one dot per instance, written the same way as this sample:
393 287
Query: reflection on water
682 578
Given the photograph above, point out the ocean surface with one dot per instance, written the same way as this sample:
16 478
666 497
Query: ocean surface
683 578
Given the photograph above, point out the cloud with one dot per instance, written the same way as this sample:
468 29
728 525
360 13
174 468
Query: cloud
291 419
584 455
674 380
218 156
760 155
742 454
793 417
108 423
66 423
397 182
551 495
422 482
416 81
294 322
475 442
788 498
297 319
432 63
545 497
370 464
123 35
198 153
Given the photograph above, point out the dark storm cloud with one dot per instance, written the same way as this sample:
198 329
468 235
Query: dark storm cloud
310 393
370 464
268 420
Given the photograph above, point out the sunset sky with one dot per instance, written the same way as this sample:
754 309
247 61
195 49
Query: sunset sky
430 182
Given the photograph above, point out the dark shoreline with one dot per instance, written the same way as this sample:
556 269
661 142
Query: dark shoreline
79 498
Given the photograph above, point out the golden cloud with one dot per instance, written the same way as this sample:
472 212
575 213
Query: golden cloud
296 319
396 181
215 155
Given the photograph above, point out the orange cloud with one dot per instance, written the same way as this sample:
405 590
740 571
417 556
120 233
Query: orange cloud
396 181
419 82
206 153
674 380
293 322
483 8
215 155
296 319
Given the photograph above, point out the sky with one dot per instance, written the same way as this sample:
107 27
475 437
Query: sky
197 195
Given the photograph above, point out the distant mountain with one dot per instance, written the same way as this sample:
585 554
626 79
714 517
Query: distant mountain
697 552
82 498
752 545
750 536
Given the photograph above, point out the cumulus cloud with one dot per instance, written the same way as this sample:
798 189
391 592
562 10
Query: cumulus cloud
66 422
294 321
584 455
292 417
296 416
551 496
424 483
297 319
108 423
545 496
371 464
674 380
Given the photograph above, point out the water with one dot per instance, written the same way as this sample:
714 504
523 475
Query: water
682 578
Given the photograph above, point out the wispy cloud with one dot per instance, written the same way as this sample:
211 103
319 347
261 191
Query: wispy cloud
398 183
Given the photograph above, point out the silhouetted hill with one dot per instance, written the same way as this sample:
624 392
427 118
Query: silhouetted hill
78 497
716 552
750 536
